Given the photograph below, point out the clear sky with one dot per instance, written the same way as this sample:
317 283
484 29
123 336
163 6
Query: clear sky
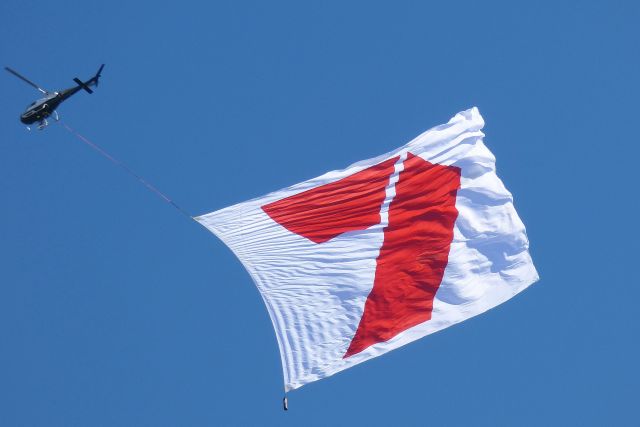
115 310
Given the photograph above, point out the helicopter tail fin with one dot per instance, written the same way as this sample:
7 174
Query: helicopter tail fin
98 74
93 81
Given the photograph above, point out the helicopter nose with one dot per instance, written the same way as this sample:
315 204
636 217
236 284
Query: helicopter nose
26 118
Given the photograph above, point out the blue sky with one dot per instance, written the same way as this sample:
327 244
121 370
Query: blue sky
116 310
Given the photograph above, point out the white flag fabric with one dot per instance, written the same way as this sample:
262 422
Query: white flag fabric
360 261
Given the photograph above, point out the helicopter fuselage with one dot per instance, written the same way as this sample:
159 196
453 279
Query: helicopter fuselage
42 108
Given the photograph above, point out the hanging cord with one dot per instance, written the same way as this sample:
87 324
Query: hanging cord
117 162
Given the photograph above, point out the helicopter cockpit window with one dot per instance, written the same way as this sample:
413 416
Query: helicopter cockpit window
37 103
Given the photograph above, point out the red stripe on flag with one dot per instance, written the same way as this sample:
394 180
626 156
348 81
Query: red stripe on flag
414 254
322 213
416 244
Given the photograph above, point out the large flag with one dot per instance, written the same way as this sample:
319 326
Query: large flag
361 261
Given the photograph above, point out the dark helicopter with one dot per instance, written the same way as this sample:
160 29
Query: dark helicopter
39 110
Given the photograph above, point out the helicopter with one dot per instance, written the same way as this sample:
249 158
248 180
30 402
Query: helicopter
39 110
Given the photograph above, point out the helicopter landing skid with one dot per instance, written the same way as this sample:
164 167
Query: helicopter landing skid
43 124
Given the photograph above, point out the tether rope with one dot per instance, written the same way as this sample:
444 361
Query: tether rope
126 168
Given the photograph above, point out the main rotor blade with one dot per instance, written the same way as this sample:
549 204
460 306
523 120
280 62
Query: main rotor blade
26 80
